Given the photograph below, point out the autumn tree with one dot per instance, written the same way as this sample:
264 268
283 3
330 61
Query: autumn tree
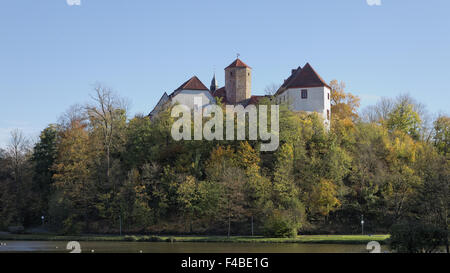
344 105
72 202
441 136
403 118
223 170
108 115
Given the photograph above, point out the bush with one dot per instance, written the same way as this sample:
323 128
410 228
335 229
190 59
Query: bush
131 238
415 237
151 239
279 225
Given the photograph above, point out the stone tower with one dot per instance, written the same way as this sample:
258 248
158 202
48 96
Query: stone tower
238 83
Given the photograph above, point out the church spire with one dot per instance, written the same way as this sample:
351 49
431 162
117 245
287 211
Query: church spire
214 85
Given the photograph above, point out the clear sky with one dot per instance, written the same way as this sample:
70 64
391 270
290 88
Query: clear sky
51 53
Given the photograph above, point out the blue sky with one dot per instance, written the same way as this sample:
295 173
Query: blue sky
52 53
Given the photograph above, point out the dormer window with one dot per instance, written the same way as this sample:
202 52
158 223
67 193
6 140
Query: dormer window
304 93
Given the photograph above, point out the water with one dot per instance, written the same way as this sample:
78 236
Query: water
181 247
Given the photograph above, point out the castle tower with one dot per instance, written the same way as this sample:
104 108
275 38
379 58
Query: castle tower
214 85
238 83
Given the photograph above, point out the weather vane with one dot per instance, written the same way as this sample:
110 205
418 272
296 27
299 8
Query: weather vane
237 55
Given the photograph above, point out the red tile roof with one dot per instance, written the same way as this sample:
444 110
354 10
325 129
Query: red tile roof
237 63
192 84
255 99
294 73
307 77
221 93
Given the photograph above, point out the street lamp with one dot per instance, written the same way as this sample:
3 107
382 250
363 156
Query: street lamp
42 218
362 224
120 225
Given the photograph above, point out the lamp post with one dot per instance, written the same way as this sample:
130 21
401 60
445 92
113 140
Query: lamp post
42 218
120 225
362 224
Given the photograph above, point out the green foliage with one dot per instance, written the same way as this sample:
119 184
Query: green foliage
87 176
278 224
413 237
403 118
44 156
442 135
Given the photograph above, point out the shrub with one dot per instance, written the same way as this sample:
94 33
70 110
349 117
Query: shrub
280 225
131 238
415 237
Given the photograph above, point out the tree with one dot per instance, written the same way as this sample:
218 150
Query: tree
44 156
284 190
108 114
402 180
257 186
441 136
343 105
324 197
432 199
74 188
18 150
288 208
403 118
21 195
188 197
271 89
416 237
223 170
232 199
134 202
379 112
141 145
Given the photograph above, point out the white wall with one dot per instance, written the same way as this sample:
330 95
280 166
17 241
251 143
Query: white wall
186 97
162 101
317 101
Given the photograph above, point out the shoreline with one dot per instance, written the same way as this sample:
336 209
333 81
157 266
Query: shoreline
305 239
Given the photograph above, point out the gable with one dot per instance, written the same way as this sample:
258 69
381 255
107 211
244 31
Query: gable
307 77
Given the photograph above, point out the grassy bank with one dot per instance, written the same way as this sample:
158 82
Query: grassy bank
312 239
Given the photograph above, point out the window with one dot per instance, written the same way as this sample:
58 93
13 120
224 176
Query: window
328 96
304 94
328 114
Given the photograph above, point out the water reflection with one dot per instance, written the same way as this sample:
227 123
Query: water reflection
163 247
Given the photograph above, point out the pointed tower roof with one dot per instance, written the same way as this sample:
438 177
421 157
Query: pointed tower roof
192 84
237 63
214 86
307 77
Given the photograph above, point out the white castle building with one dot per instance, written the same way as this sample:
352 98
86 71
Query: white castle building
303 90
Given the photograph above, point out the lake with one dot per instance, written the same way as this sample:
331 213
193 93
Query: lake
182 247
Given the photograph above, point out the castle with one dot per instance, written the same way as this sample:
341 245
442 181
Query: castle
303 90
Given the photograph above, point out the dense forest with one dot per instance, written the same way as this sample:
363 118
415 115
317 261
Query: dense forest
96 168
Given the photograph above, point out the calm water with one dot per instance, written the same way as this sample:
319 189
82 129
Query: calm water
163 247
